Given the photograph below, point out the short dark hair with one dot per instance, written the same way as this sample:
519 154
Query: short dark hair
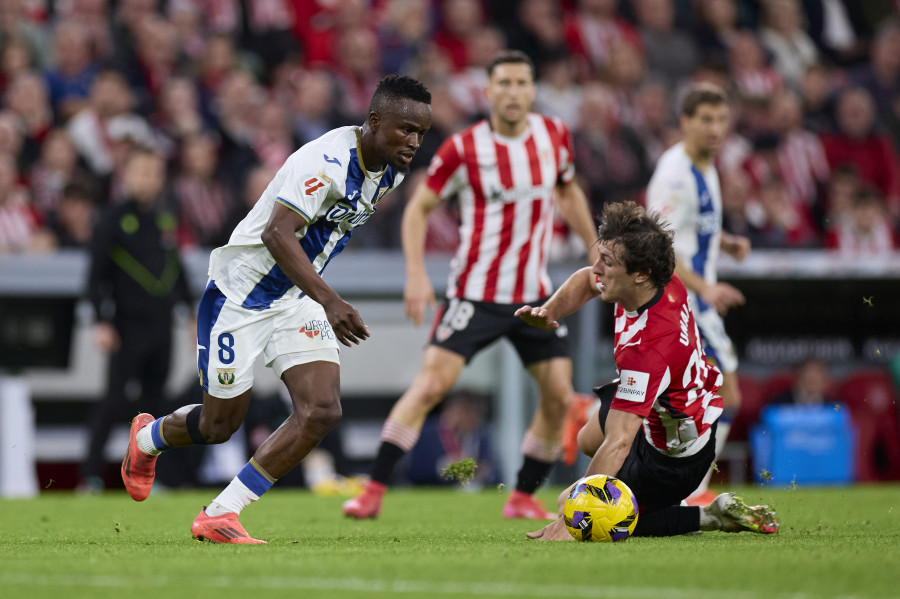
78 189
702 93
645 240
510 57
393 87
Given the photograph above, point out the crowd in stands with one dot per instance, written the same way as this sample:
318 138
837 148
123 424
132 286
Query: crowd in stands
225 90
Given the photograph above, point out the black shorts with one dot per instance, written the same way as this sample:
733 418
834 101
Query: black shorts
658 480
466 327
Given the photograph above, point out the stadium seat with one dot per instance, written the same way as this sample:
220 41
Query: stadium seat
871 397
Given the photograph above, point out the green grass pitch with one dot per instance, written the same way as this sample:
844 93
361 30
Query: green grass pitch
839 542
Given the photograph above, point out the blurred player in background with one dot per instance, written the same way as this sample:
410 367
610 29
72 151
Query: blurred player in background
685 190
507 171
656 426
266 295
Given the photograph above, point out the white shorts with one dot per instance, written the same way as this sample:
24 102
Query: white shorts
230 337
716 343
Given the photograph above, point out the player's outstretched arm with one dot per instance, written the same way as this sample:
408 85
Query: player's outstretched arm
569 298
621 428
418 292
720 296
736 246
576 211
280 239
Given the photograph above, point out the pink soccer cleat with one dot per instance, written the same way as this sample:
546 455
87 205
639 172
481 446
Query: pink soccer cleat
368 503
524 505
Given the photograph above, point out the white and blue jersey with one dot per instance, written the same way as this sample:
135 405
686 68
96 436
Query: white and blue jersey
691 201
327 183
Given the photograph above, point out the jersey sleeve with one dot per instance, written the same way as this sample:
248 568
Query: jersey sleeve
445 172
643 375
566 154
669 195
308 180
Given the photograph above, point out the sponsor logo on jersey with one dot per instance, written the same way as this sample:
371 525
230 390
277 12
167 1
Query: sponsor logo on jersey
633 385
343 212
317 328
226 376
515 194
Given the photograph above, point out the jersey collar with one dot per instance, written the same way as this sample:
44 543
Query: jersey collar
362 165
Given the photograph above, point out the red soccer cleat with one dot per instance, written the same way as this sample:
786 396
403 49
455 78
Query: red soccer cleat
221 529
576 418
368 503
523 505
138 468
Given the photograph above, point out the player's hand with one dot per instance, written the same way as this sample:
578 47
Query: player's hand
347 324
106 338
537 317
417 295
723 297
555 531
736 246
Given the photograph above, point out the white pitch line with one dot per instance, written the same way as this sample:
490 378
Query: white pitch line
476 589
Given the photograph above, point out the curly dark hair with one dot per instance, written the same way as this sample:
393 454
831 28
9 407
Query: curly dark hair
645 240
393 87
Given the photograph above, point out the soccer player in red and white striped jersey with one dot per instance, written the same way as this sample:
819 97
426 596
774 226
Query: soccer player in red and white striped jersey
656 427
508 172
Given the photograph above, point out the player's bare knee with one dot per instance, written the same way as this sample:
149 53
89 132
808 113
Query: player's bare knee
320 418
217 432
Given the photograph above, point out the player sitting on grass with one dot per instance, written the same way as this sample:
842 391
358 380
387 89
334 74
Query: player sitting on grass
656 426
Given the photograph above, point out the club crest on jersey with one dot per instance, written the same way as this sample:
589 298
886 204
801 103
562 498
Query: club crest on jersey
380 194
443 332
317 328
226 376
562 332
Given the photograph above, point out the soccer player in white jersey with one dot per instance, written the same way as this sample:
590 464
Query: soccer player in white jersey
265 295
685 190
507 170
656 426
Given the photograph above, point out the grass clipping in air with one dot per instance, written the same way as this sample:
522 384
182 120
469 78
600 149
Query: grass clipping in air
462 471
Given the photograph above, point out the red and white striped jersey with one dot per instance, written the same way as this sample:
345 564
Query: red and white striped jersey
664 375
505 188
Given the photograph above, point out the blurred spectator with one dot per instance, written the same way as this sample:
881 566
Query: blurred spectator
136 279
93 16
741 214
755 78
155 58
609 157
272 141
21 227
27 99
857 143
457 432
591 32
11 140
538 32
785 225
312 105
816 99
268 30
106 120
320 24
73 224
840 193
468 85
716 29
654 121
459 19
404 32
811 386
177 114
219 59
558 94
70 80
624 74
836 26
801 157
188 26
205 202
17 26
881 75
358 70
867 232
15 59
783 36
236 109
671 54
53 171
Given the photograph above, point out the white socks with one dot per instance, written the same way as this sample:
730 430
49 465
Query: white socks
234 498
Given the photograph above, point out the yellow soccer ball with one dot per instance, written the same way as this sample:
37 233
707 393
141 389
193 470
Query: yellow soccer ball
600 508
